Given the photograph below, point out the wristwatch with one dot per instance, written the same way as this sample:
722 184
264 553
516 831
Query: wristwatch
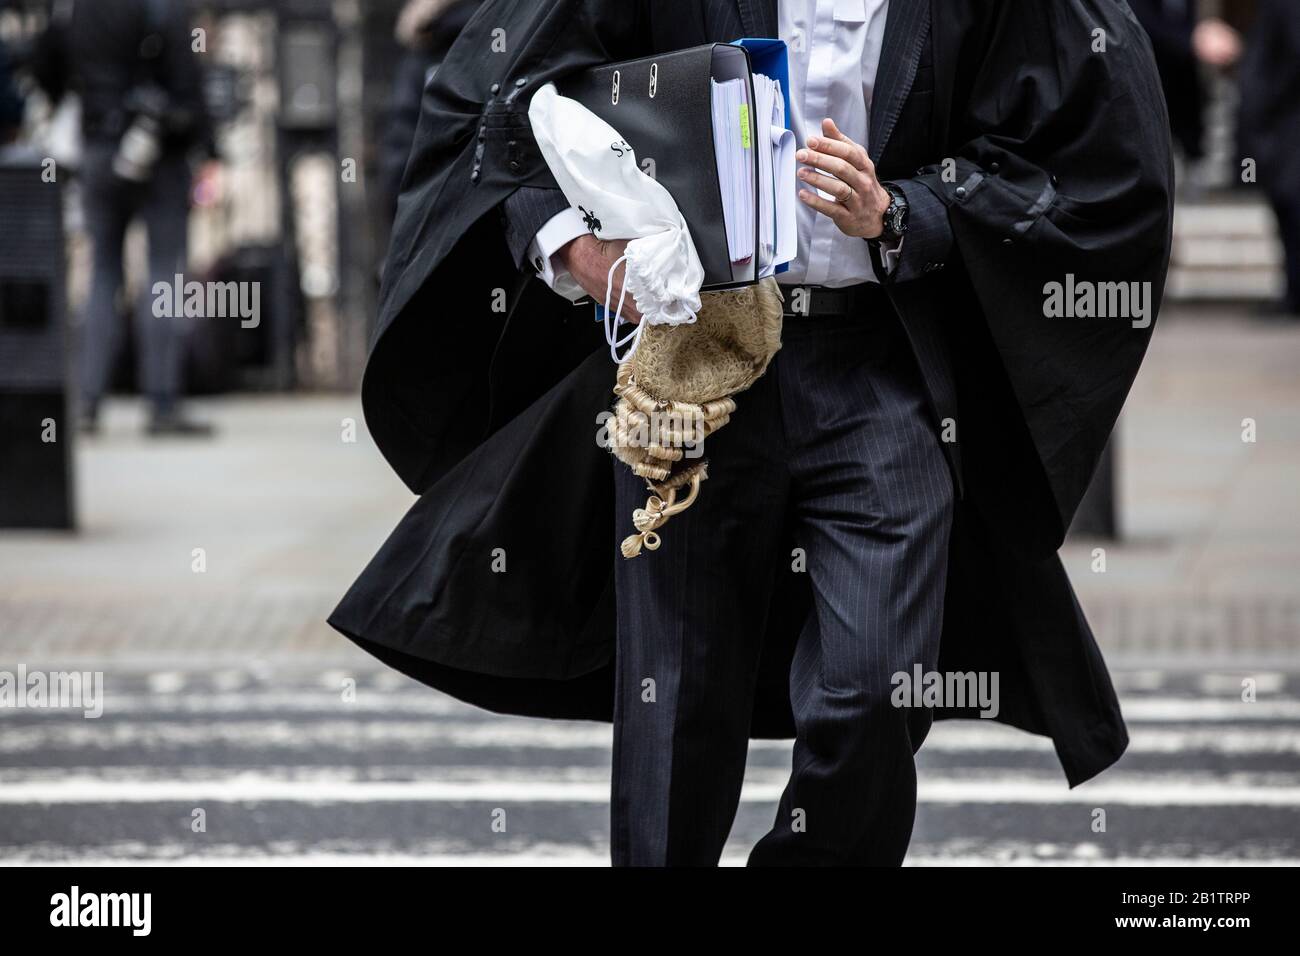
895 216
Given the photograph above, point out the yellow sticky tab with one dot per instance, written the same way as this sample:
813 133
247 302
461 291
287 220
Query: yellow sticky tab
745 139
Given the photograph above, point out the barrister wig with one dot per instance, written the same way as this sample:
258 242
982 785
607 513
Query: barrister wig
679 387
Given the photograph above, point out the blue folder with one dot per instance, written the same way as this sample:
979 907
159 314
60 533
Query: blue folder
772 58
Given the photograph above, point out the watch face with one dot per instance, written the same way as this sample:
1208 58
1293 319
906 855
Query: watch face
896 213
896 219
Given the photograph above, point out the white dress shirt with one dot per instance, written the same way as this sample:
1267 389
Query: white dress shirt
834 48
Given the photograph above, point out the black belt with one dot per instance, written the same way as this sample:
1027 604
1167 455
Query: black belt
815 301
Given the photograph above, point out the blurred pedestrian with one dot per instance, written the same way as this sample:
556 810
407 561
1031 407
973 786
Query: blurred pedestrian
143 117
1183 42
1270 126
426 30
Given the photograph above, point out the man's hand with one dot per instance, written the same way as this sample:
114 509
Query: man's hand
861 201
588 260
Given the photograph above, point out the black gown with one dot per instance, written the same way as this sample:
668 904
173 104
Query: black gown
1052 158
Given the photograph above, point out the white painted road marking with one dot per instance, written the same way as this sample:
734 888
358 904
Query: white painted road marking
1167 790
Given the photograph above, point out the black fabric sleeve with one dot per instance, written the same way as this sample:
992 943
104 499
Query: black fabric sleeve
1060 170
526 211
928 242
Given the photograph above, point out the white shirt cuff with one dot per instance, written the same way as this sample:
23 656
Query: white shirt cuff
890 253
558 232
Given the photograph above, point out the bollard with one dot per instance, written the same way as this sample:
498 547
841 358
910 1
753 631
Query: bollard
37 424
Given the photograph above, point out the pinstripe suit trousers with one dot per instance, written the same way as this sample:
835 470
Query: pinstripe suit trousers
835 445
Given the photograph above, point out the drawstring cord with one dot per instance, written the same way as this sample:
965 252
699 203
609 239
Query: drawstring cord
611 331
611 328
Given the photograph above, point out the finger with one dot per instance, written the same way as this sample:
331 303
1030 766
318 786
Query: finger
593 274
833 131
842 191
835 134
629 314
859 151
845 149
837 167
833 210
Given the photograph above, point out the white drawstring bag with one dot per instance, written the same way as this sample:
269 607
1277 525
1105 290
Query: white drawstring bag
600 177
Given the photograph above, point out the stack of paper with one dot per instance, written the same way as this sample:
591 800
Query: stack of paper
733 145
773 203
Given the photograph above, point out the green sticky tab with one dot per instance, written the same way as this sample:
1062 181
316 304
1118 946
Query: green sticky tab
745 140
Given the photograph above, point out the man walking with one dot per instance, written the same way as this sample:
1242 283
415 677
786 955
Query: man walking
143 120
888 497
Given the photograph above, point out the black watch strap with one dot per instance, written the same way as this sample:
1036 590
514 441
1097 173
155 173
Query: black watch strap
895 215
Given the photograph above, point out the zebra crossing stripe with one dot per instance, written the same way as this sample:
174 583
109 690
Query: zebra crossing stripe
1168 790
285 736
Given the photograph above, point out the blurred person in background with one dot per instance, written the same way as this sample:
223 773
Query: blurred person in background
426 30
1270 127
143 117
11 103
1183 42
